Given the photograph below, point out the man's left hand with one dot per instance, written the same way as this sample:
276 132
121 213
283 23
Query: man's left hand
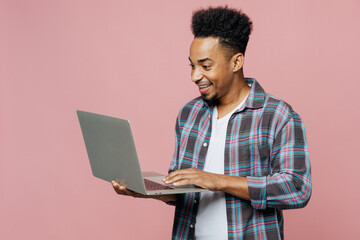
194 176
234 185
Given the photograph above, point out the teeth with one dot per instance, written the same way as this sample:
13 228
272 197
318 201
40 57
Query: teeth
204 86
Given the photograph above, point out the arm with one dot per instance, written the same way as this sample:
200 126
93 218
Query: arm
289 185
122 190
215 182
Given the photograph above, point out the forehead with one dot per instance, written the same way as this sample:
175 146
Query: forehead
202 48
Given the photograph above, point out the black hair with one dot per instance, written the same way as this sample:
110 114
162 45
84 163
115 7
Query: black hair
231 26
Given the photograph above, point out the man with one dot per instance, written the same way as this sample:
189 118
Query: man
244 145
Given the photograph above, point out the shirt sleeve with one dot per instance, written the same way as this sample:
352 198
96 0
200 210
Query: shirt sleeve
289 185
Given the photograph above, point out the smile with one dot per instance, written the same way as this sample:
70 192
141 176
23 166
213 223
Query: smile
203 89
204 86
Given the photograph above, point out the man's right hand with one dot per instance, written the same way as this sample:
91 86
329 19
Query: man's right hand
122 190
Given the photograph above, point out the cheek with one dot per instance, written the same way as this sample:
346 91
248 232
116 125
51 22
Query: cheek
213 77
217 80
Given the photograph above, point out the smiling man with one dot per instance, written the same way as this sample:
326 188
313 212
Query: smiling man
246 146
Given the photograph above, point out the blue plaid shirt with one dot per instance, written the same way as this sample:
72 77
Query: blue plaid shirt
266 143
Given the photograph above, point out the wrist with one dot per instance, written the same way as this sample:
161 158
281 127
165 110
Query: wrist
221 182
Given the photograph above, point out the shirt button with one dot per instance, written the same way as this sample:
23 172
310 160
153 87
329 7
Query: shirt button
205 144
195 201
191 226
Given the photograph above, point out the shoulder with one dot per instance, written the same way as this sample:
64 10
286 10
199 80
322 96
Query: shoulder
265 102
277 106
280 111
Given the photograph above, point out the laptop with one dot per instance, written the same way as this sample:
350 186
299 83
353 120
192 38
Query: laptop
112 154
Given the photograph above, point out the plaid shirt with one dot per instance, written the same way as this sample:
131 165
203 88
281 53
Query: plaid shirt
266 143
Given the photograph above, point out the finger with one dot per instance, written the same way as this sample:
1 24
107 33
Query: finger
179 172
114 183
190 178
118 186
172 174
182 182
175 177
120 189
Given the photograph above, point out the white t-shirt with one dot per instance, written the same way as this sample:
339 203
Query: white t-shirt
211 219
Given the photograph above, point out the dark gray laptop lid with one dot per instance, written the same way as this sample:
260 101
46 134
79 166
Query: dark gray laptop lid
111 149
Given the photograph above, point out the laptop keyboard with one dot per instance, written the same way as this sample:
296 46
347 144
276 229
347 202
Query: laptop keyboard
150 185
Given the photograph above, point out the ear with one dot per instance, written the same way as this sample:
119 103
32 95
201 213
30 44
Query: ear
237 61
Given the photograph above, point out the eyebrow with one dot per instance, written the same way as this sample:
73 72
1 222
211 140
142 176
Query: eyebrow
202 60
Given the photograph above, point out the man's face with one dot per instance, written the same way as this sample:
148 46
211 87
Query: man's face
211 70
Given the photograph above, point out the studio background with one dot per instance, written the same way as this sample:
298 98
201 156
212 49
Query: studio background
130 59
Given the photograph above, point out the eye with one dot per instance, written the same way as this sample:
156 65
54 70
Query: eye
205 67
191 65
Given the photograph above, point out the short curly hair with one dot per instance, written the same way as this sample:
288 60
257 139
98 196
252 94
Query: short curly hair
231 26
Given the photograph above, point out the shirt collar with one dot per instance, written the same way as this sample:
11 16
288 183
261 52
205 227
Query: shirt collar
256 96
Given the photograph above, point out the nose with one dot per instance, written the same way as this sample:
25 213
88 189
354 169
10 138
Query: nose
196 74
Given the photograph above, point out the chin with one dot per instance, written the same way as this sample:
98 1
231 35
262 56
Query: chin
212 101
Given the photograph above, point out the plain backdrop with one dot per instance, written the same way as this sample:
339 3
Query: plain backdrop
129 59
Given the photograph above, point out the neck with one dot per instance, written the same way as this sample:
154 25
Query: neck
237 93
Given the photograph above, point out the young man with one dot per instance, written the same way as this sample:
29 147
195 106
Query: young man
244 145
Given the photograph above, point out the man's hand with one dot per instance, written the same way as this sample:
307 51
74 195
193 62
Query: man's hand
236 186
194 176
122 190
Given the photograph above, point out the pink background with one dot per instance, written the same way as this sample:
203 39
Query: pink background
129 59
